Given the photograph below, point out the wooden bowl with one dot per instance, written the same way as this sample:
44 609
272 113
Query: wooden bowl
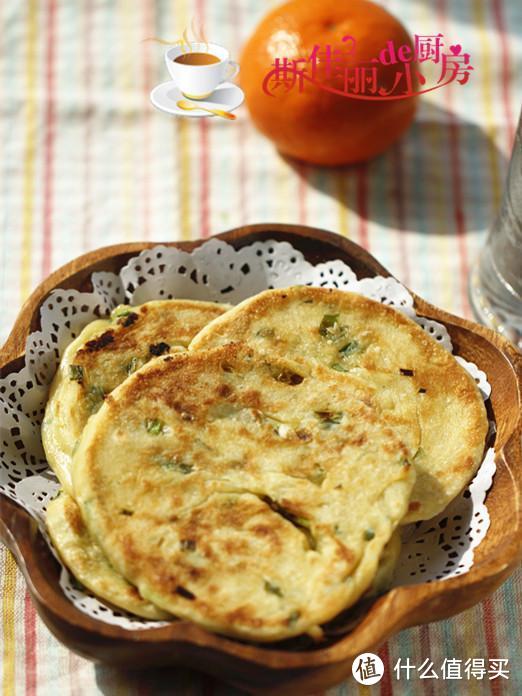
278 669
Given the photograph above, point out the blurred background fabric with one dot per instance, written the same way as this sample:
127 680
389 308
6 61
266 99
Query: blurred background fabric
86 161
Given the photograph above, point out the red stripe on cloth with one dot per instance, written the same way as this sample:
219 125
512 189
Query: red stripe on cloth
73 673
49 140
87 79
362 203
398 194
386 681
506 72
148 30
426 654
491 641
30 645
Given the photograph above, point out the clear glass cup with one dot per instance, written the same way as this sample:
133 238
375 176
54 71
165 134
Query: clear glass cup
496 280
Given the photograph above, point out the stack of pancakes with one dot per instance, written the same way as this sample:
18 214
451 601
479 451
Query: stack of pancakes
249 469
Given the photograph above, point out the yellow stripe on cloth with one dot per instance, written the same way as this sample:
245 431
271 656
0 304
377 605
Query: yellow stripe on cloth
184 178
8 626
341 193
29 149
182 126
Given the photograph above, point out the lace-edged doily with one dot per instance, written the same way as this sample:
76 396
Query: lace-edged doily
433 550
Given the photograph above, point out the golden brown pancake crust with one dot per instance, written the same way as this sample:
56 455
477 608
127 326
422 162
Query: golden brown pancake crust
249 494
104 354
87 562
351 334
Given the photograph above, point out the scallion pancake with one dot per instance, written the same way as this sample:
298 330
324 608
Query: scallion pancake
352 335
102 356
87 562
249 494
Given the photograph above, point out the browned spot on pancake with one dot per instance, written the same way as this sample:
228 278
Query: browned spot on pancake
159 348
129 551
184 410
108 399
233 546
344 553
129 319
393 447
264 531
404 450
235 516
196 573
99 343
176 501
183 592
290 507
133 593
245 432
285 376
224 390
252 399
414 505
245 616
466 465
73 516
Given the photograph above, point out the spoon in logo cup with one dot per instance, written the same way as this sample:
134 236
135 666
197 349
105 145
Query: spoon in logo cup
189 106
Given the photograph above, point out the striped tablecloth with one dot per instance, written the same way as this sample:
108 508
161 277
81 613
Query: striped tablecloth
86 161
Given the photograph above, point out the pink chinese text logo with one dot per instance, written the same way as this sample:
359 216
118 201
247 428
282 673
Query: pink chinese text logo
395 73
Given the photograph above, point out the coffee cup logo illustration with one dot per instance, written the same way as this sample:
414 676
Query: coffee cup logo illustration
201 80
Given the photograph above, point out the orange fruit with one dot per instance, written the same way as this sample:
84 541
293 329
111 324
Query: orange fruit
313 124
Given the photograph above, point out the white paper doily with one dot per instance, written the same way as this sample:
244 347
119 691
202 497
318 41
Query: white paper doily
437 549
